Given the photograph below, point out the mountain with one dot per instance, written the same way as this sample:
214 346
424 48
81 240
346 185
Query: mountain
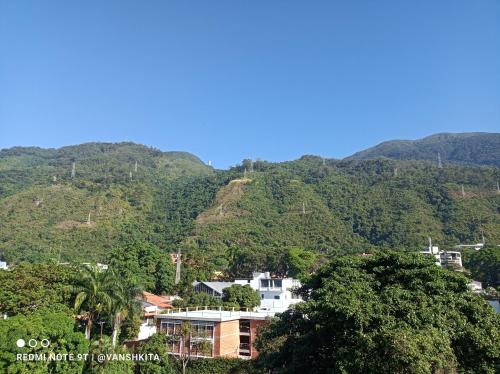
476 148
237 220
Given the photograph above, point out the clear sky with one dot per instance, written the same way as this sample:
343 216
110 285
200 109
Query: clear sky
228 80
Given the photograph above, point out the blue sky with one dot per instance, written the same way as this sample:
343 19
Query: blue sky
228 80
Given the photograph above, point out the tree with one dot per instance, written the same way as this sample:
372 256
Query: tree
125 305
28 287
392 312
300 262
157 345
144 264
243 295
94 295
484 265
57 325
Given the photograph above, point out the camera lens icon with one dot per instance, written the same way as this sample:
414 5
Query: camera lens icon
20 343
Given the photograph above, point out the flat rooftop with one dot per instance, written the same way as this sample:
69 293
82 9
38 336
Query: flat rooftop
215 315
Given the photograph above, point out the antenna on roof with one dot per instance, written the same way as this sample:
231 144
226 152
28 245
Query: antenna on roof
440 165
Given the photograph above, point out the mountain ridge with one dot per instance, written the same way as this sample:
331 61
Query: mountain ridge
474 148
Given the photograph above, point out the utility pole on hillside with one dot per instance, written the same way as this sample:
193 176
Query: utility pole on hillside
178 267
440 164
73 170
135 166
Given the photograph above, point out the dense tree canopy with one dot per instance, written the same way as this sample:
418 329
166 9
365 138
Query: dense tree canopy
390 313
243 296
57 325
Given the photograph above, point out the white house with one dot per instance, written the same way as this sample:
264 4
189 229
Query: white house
276 294
152 305
443 258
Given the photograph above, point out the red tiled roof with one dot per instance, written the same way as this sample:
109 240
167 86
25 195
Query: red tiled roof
159 301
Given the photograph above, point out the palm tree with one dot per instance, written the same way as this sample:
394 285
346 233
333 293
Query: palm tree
95 293
125 304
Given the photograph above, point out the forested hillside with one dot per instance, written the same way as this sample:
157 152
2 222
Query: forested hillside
237 220
473 148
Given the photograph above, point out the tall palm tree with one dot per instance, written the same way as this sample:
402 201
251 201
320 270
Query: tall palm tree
125 304
94 294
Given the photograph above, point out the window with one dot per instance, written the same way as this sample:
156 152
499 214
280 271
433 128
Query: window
261 295
277 297
264 282
278 283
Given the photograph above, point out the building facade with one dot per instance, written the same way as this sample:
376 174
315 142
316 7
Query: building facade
212 333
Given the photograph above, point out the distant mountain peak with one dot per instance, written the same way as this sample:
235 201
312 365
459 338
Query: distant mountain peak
476 148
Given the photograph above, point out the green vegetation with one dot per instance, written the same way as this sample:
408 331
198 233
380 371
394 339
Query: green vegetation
131 206
484 265
468 148
390 313
225 222
241 296
55 324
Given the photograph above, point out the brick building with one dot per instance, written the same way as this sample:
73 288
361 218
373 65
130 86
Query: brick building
226 333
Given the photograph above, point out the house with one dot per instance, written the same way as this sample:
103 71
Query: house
229 333
451 258
276 294
443 258
152 305
215 289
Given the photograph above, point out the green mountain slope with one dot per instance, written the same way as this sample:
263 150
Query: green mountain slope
233 221
343 207
465 148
